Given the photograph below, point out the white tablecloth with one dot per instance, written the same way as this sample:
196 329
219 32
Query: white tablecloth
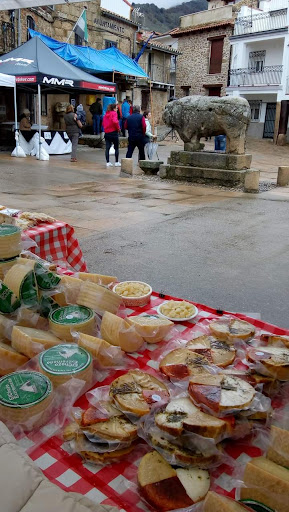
53 143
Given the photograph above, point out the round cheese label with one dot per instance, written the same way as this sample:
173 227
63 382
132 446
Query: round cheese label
24 389
46 280
68 315
8 230
28 291
64 359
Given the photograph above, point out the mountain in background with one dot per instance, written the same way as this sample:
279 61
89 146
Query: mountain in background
162 20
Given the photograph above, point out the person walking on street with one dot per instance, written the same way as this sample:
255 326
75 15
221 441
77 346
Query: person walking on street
125 108
81 116
96 111
136 127
72 129
111 128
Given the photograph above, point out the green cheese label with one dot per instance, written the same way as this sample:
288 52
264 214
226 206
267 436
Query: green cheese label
46 280
8 301
64 359
46 305
28 291
24 389
257 506
8 229
71 315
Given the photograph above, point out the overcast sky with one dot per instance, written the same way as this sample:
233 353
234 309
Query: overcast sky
162 3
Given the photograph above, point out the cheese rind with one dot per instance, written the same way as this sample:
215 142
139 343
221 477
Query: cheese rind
98 298
101 350
21 280
24 395
63 321
64 361
10 241
30 341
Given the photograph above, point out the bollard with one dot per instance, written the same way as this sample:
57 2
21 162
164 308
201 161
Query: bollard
283 176
252 181
127 166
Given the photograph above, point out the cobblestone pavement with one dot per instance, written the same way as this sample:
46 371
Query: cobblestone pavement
221 247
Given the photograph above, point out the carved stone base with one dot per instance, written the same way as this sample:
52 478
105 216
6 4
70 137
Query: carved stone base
211 159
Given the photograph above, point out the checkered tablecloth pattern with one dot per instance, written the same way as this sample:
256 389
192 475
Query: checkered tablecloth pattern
116 484
57 242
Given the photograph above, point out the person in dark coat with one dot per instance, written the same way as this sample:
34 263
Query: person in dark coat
72 130
136 126
96 111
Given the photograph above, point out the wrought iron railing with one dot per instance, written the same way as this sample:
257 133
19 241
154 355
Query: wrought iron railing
159 73
270 75
7 37
261 22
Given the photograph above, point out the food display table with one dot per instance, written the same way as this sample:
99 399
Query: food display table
57 242
116 484
55 142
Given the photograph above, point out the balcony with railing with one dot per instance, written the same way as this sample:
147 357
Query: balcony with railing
261 22
250 77
160 73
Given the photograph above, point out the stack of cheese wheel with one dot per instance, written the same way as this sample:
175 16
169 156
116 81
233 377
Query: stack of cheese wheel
10 241
20 279
62 362
25 397
63 321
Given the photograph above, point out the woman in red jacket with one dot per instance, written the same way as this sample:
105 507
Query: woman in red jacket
111 129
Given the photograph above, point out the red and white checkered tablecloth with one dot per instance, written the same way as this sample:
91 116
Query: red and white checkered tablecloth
57 242
116 484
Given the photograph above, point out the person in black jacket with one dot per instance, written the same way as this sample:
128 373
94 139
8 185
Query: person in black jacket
96 111
136 126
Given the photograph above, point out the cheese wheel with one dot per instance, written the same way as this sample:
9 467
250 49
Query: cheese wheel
5 265
64 361
64 321
98 298
10 359
25 397
8 300
10 241
101 350
30 341
97 278
152 328
21 280
119 332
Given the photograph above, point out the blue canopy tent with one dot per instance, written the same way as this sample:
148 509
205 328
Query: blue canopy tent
110 60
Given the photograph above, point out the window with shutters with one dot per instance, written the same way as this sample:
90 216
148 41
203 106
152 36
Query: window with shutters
216 56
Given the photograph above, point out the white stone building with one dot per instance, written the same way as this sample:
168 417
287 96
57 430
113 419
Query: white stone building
259 67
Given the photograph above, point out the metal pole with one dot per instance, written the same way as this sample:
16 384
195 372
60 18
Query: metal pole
19 28
15 115
39 117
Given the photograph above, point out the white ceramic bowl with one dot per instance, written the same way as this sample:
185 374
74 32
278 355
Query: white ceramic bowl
177 319
135 301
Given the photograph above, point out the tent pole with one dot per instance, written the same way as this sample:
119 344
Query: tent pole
15 115
39 117
152 108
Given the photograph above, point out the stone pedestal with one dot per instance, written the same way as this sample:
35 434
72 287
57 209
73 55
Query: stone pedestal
209 167
127 166
150 167
283 176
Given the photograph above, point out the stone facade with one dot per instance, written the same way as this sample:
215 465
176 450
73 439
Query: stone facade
193 63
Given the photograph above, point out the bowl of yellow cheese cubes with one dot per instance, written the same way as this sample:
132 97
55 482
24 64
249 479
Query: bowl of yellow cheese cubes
134 293
177 310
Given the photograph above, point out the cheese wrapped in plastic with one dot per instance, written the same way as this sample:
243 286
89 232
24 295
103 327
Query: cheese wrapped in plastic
5 265
64 321
118 331
97 278
105 353
98 298
10 359
65 361
152 328
20 279
30 341
69 288
9 302
10 241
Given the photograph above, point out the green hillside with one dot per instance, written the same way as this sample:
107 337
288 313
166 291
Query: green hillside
162 20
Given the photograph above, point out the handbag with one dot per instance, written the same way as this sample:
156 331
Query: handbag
112 150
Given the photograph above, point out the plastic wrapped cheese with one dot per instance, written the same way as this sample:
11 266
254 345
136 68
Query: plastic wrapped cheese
98 298
25 396
10 359
5 265
64 321
64 361
21 280
10 241
119 332
30 341
152 328
9 302
70 287
97 278
101 350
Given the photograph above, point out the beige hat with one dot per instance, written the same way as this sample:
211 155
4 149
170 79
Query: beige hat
26 111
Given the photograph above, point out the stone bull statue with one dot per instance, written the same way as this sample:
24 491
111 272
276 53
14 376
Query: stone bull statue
194 117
